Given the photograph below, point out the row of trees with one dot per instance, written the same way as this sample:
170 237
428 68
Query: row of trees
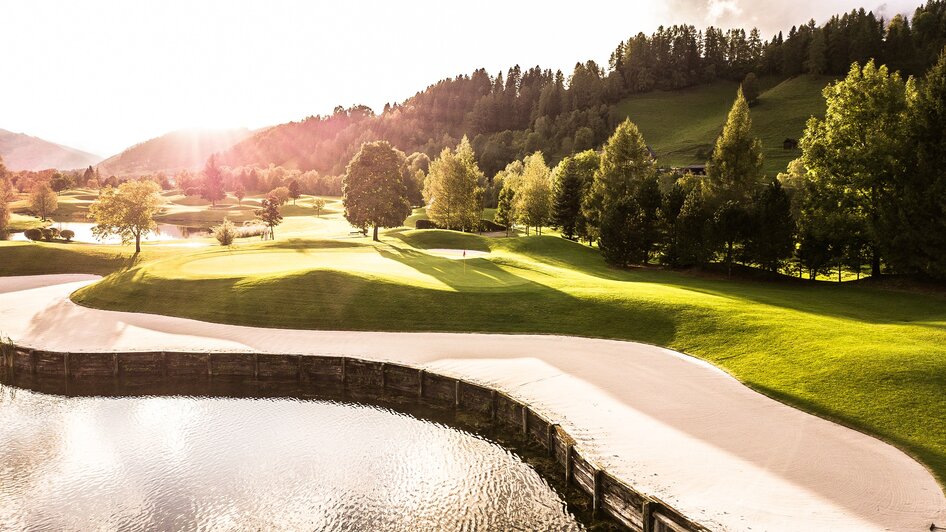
520 111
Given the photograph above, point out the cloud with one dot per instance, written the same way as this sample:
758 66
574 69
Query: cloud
717 9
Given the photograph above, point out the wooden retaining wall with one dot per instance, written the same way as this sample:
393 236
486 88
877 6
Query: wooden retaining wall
609 496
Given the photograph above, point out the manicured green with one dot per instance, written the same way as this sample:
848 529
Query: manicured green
871 358
679 124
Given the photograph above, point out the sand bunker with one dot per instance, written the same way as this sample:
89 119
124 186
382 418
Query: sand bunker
672 426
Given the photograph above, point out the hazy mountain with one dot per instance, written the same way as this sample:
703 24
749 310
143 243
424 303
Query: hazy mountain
187 149
23 152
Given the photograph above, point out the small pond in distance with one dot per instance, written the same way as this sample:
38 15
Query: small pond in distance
83 231
187 463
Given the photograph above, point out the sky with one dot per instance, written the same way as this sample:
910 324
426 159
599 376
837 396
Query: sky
101 75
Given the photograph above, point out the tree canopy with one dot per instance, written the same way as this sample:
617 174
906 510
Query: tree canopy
127 211
452 190
374 189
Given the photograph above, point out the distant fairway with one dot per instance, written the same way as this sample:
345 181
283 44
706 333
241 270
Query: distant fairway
680 124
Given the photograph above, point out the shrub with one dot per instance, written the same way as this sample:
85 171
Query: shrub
34 234
192 191
68 234
225 233
47 234
281 194
488 226
425 224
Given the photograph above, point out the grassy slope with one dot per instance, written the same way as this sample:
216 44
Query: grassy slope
677 124
870 358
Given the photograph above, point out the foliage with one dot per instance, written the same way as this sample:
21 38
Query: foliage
856 153
281 194
67 234
294 191
734 172
452 189
918 218
374 190
505 213
573 177
239 191
533 198
212 185
225 233
750 88
43 200
318 204
770 236
269 214
33 234
127 212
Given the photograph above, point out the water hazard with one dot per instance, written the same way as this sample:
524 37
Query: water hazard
186 463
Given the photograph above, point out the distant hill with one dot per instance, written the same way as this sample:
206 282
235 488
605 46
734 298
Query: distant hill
186 149
23 152
681 126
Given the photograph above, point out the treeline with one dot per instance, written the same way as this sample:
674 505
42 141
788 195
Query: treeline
867 192
513 114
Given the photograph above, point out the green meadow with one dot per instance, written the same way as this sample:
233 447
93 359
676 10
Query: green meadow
681 126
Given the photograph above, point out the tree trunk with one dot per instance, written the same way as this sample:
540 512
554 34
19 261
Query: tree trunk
376 234
729 259
875 264
138 242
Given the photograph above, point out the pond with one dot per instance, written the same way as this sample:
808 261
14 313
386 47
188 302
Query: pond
83 231
188 463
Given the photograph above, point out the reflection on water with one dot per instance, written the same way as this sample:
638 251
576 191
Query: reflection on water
83 231
173 463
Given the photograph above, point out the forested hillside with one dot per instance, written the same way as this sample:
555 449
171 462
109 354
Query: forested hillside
179 150
522 111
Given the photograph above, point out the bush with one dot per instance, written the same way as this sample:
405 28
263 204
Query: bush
192 191
68 234
281 193
34 234
425 224
48 234
225 233
489 226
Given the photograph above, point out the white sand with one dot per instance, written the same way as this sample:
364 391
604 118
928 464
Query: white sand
456 253
668 424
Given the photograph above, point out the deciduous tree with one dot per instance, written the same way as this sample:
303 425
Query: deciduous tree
43 200
127 211
374 190
452 189
212 185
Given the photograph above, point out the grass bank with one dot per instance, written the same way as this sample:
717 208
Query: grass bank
870 358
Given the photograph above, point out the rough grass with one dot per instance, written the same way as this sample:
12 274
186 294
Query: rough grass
680 124
869 358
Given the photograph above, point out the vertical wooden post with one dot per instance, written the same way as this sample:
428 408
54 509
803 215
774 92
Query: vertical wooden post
420 383
384 376
65 363
256 366
210 368
569 463
525 420
344 371
456 394
596 493
552 433
647 515
299 367
115 365
164 364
